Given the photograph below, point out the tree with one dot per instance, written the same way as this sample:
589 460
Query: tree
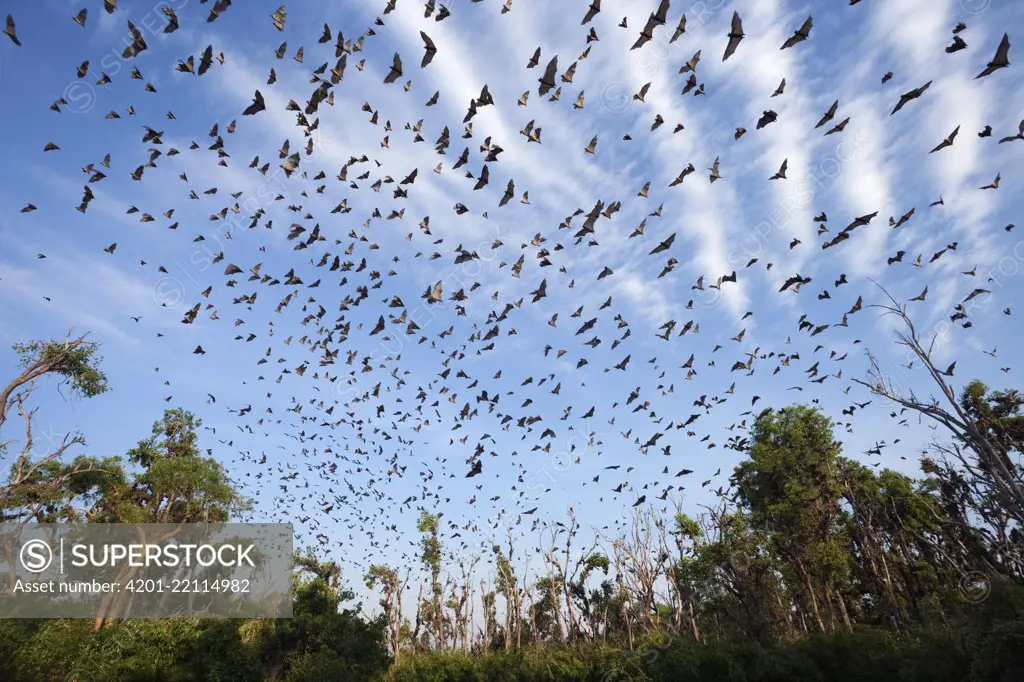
998 413
430 556
909 552
387 579
173 482
322 640
507 585
40 483
792 487
580 594
998 416
74 361
734 577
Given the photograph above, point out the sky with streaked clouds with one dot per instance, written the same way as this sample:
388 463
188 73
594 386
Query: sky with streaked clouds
878 163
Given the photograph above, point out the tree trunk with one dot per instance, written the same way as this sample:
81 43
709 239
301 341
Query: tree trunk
693 620
629 625
419 620
813 601
844 613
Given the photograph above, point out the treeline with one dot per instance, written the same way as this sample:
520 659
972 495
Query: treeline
804 542
810 542
810 566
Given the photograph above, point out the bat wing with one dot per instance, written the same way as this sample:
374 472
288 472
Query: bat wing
430 48
396 70
1002 57
792 40
731 48
662 14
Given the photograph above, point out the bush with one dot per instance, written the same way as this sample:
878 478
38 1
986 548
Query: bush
863 655
535 664
1000 658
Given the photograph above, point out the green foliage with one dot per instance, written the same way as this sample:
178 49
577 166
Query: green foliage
1000 657
506 580
63 492
790 468
535 664
172 649
688 527
998 413
430 544
76 363
862 655
381 574
321 642
596 561
174 483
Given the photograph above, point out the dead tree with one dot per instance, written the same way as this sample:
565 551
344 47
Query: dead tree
487 606
520 591
391 601
419 619
465 600
645 564
567 578
990 460
625 609
687 547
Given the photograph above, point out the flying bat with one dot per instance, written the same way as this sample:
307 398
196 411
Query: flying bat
256 106
735 35
911 95
430 48
948 142
396 69
656 19
999 61
801 34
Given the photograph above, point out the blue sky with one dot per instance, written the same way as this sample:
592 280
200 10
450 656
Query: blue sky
878 163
